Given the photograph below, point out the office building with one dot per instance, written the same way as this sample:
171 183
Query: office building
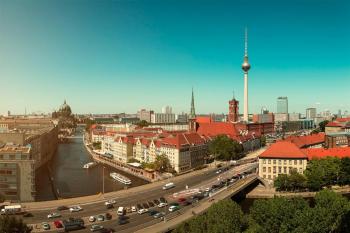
282 105
311 113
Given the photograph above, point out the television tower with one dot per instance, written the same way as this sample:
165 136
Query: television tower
245 68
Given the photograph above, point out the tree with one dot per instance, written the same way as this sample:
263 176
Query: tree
143 123
292 182
344 173
10 224
322 125
275 215
162 163
281 183
224 148
263 140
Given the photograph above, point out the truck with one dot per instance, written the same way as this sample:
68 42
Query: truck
168 186
11 209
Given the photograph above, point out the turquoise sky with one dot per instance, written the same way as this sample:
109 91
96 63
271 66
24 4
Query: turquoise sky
115 56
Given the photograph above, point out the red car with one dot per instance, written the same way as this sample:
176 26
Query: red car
181 199
58 224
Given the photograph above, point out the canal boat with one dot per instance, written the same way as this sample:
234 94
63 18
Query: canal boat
120 178
89 165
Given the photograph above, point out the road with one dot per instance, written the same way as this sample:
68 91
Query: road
136 221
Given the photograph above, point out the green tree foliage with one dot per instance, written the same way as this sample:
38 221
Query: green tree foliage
162 163
96 145
143 123
322 125
224 148
223 217
323 172
263 140
10 224
292 182
344 174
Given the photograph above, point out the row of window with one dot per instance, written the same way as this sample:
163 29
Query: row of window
284 161
280 169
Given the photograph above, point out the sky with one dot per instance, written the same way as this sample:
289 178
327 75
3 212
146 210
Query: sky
120 56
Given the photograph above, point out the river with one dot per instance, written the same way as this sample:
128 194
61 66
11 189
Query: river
69 177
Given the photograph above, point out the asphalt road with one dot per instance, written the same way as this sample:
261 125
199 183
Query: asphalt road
136 221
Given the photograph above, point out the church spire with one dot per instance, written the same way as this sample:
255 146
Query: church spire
193 111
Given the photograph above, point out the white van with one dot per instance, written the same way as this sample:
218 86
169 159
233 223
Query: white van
168 186
121 210
11 209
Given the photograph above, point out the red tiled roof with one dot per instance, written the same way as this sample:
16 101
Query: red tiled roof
217 128
333 124
283 149
183 139
309 140
345 119
317 153
203 119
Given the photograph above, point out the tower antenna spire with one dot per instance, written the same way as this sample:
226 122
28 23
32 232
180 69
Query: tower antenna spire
246 42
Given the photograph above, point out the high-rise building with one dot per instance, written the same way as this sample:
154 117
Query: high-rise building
311 113
282 105
245 68
167 109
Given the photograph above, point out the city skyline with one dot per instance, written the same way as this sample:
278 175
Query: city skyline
123 56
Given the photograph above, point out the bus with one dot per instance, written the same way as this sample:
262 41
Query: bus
11 209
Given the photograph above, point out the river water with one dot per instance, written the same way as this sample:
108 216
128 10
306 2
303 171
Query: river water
70 178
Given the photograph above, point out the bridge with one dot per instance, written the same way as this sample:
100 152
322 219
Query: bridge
228 192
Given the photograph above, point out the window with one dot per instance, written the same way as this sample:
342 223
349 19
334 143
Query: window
284 170
300 162
269 161
274 161
269 169
290 162
264 169
279 162
285 162
279 170
269 176
295 162
274 169
264 161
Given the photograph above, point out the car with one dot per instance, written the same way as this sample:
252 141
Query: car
110 202
58 224
45 226
122 221
133 209
159 215
100 217
109 206
162 204
142 211
218 171
92 219
173 208
207 189
153 212
27 215
75 209
96 227
128 209
181 199
174 204
155 201
206 194
54 215
108 216
145 206
163 200
61 208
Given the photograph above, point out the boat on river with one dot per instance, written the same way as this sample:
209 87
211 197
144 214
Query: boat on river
122 179
89 165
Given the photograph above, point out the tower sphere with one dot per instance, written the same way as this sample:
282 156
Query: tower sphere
245 66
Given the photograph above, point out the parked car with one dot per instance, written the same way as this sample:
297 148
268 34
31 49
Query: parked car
45 226
139 206
61 208
133 209
92 219
96 227
75 209
122 220
53 215
153 212
100 217
58 224
173 208
109 206
110 202
162 204
108 216
159 215
142 211
145 206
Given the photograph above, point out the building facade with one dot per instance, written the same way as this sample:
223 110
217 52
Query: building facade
282 105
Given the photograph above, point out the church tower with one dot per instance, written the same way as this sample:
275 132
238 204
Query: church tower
233 113
192 117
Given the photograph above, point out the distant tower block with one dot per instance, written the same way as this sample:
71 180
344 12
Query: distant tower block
245 68
233 112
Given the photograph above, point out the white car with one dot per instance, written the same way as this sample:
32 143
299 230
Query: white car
53 215
96 227
162 204
142 211
75 209
133 209
110 202
92 219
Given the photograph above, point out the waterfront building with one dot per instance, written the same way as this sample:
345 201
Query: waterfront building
282 105
311 113
17 173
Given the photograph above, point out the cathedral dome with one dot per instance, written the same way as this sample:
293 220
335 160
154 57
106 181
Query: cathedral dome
65 109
